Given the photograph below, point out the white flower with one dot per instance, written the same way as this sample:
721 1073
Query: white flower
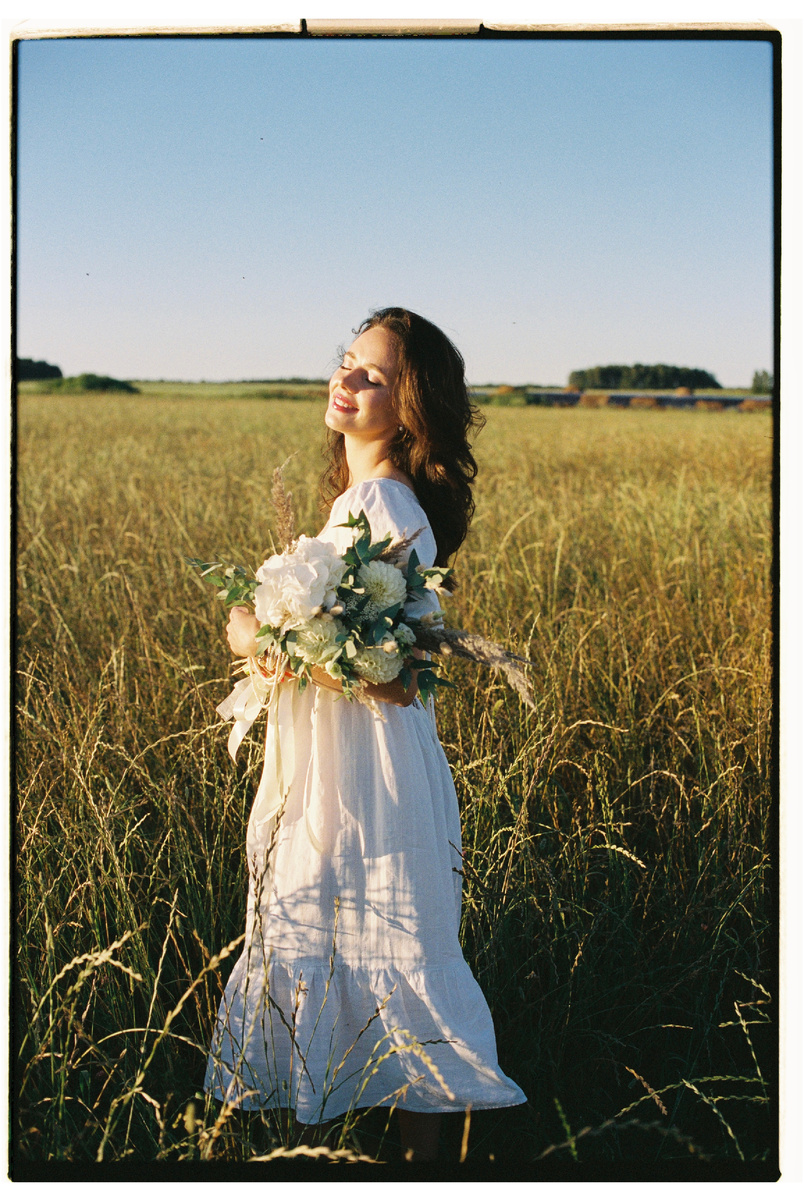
385 585
315 641
404 635
374 665
298 584
433 584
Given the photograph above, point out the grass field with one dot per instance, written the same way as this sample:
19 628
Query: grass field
618 896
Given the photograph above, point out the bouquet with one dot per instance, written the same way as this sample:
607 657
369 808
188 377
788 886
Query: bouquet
342 613
345 614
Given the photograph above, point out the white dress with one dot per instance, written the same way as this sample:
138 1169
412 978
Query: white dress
352 990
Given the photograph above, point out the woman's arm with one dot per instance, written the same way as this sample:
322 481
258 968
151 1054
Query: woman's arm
387 693
241 634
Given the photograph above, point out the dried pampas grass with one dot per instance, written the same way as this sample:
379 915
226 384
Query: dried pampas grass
445 641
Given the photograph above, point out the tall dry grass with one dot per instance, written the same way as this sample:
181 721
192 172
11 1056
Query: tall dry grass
618 881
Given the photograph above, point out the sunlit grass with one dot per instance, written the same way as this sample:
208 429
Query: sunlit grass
617 887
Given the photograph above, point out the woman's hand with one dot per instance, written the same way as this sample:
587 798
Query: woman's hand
241 632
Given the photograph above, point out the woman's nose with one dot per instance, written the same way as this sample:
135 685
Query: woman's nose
347 377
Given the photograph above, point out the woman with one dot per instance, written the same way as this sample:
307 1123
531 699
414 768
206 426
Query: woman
352 990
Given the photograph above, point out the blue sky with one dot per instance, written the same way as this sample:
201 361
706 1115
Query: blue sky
232 208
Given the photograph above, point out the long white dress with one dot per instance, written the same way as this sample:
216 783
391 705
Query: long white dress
352 990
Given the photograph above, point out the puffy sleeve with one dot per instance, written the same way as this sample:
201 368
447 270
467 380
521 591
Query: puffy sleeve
393 509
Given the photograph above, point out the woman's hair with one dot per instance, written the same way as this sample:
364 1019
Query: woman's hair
436 416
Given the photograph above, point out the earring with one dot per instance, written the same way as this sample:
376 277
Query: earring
401 428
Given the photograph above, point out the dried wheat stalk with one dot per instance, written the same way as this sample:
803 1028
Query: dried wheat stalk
282 501
396 551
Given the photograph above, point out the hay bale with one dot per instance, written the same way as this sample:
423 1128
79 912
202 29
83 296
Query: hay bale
709 405
643 402
593 400
683 391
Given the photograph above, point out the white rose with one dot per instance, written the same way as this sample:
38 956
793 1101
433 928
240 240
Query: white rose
296 585
328 565
385 585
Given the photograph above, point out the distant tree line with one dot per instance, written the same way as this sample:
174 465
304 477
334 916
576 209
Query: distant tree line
294 379
641 376
94 383
28 368
763 383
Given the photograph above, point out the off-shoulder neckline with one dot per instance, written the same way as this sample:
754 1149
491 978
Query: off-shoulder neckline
381 479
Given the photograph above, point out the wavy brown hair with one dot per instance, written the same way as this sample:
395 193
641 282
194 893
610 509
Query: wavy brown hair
436 416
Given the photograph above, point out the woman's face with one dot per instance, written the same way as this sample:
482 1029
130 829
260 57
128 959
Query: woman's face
361 392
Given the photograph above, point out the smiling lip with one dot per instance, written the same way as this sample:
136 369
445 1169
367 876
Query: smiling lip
342 404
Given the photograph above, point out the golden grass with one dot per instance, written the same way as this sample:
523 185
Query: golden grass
617 842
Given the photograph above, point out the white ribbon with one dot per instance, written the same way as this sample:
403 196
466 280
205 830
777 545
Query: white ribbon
243 705
279 767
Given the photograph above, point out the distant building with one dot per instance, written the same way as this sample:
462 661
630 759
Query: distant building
681 398
562 399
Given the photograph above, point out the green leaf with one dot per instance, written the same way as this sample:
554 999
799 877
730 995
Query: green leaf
200 565
360 521
376 549
381 627
361 547
428 682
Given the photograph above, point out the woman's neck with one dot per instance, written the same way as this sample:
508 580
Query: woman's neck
369 460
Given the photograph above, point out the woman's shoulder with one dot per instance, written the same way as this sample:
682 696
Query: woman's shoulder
391 507
382 493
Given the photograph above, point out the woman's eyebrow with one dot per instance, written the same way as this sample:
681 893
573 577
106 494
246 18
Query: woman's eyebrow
370 365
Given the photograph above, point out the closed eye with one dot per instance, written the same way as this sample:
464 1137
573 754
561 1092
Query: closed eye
374 382
350 366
